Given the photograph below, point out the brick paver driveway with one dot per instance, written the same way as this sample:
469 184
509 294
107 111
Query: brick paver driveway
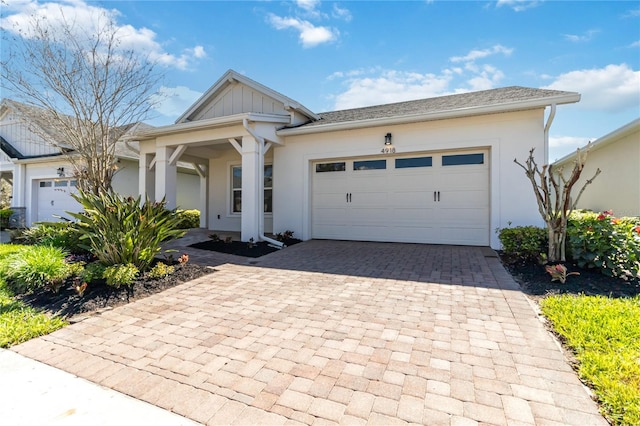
342 332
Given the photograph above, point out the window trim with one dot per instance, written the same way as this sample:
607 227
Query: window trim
231 189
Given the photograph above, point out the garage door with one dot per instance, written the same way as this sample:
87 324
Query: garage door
54 199
438 198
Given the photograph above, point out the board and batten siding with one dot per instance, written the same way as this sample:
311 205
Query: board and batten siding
238 99
17 132
505 136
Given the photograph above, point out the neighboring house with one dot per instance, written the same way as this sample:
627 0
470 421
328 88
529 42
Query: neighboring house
42 178
617 187
436 170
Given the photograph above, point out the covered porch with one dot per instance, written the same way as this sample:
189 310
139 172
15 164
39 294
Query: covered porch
228 154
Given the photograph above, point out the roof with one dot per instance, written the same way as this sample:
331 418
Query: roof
464 104
605 140
228 78
37 116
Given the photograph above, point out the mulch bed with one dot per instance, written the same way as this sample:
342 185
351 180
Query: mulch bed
99 296
536 282
242 249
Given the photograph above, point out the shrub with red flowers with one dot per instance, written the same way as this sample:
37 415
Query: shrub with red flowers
604 242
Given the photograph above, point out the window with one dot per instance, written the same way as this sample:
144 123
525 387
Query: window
370 165
236 189
61 183
330 167
405 163
462 159
45 184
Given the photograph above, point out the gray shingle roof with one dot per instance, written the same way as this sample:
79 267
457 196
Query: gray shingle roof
483 98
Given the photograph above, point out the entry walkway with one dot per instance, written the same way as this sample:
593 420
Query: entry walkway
334 332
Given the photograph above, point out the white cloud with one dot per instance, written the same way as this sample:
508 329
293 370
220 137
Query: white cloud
581 38
518 5
391 86
174 101
375 86
89 19
560 146
341 13
635 44
309 34
476 54
613 88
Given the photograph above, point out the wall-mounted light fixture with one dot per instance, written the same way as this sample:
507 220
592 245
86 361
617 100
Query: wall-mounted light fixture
388 147
60 171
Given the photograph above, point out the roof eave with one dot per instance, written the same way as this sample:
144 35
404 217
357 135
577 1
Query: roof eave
603 140
439 115
208 123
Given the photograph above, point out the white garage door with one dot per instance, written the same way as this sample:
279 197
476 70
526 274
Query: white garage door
427 198
54 199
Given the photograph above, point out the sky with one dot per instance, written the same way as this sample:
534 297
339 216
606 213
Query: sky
331 55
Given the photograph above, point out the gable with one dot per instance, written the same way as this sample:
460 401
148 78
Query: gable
239 98
18 133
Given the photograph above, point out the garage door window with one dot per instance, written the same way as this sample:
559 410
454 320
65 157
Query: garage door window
331 167
462 159
236 189
45 184
60 183
370 165
405 163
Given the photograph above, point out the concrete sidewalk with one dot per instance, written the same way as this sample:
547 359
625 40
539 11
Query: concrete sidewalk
35 394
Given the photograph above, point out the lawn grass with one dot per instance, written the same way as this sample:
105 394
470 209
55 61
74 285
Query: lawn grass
604 333
19 322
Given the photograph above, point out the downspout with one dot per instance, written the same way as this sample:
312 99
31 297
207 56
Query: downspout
547 126
278 244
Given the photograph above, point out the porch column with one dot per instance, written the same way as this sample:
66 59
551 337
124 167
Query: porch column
18 189
203 173
166 177
251 208
146 177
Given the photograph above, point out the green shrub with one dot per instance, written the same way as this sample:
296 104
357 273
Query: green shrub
161 270
91 272
119 275
64 235
5 214
524 244
121 231
35 267
602 241
188 219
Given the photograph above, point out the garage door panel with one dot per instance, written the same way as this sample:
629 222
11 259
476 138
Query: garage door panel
464 236
411 199
403 205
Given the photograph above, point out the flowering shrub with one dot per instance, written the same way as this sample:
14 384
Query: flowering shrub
602 241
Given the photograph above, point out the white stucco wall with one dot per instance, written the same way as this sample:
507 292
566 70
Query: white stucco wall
507 136
221 217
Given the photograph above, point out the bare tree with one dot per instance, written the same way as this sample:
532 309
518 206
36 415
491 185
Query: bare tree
553 194
88 85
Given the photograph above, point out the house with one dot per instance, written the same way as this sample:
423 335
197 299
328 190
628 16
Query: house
617 187
437 170
41 177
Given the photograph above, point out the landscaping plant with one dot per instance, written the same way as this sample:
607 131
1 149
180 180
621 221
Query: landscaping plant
121 231
523 244
552 190
602 241
161 270
188 218
119 275
64 235
33 267
5 214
